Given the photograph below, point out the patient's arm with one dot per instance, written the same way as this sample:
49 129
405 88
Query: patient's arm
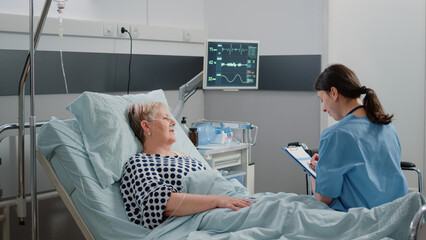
194 203
318 196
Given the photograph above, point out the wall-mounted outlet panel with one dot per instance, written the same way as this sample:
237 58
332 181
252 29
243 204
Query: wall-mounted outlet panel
134 31
119 33
85 28
110 29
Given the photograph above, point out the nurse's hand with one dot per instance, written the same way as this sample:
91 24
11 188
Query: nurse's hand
314 161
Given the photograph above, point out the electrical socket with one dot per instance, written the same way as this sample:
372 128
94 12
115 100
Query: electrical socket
109 30
119 26
186 35
134 31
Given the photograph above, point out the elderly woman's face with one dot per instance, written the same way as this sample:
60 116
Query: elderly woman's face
162 127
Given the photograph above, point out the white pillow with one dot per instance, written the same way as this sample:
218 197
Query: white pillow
107 135
108 138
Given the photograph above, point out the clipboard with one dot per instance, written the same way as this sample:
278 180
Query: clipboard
302 158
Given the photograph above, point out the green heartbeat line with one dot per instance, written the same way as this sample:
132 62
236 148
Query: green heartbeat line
235 77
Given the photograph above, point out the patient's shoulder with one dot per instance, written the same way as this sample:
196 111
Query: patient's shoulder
181 154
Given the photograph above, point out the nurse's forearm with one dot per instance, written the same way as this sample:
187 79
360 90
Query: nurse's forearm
318 196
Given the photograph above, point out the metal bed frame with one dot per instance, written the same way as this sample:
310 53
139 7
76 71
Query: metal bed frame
66 196
416 224
6 130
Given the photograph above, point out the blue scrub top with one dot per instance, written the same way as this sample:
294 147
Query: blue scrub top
359 164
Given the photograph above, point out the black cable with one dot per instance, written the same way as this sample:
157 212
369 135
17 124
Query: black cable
123 30
187 96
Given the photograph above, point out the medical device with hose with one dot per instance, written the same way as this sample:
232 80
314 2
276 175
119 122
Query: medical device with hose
227 146
208 133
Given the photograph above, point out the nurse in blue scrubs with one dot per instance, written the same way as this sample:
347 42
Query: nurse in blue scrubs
358 162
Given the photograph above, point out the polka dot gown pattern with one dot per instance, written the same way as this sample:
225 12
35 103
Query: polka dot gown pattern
148 182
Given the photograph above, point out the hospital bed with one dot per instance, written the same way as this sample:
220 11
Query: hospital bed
84 156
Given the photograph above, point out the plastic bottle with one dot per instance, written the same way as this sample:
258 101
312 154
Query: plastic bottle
183 125
207 133
230 137
193 135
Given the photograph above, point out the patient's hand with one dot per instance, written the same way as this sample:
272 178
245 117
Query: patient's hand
231 202
182 204
314 161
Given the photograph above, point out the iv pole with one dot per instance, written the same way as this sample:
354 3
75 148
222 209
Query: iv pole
34 207
29 68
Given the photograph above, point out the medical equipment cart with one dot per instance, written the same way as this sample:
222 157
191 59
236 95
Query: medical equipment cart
233 159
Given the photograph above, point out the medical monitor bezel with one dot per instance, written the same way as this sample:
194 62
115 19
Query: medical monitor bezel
206 44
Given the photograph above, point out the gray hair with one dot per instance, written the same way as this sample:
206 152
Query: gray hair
137 112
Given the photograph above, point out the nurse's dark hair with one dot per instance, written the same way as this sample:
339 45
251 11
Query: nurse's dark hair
347 84
137 112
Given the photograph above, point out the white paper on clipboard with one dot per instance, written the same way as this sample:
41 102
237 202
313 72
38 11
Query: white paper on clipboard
302 158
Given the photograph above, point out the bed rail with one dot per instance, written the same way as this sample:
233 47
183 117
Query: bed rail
66 197
6 130
417 222
13 126
7 204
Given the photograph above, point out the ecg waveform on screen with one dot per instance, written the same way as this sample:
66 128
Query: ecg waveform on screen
235 77
232 80
232 64
231 49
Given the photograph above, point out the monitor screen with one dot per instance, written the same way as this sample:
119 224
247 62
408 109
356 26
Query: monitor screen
231 64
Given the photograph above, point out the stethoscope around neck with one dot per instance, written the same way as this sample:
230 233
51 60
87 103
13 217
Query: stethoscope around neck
354 109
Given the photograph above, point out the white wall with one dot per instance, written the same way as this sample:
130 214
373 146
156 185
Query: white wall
290 27
185 14
383 41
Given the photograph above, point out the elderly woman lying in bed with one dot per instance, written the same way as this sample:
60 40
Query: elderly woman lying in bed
152 179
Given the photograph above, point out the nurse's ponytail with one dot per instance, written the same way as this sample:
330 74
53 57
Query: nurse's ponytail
347 84
374 109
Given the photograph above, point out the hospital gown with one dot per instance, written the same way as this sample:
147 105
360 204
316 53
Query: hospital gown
148 182
359 164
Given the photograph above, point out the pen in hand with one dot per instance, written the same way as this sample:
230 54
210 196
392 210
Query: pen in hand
314 161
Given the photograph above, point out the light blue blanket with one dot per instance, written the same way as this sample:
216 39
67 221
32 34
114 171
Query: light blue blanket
285 216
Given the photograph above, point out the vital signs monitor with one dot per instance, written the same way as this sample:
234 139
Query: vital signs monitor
230 64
